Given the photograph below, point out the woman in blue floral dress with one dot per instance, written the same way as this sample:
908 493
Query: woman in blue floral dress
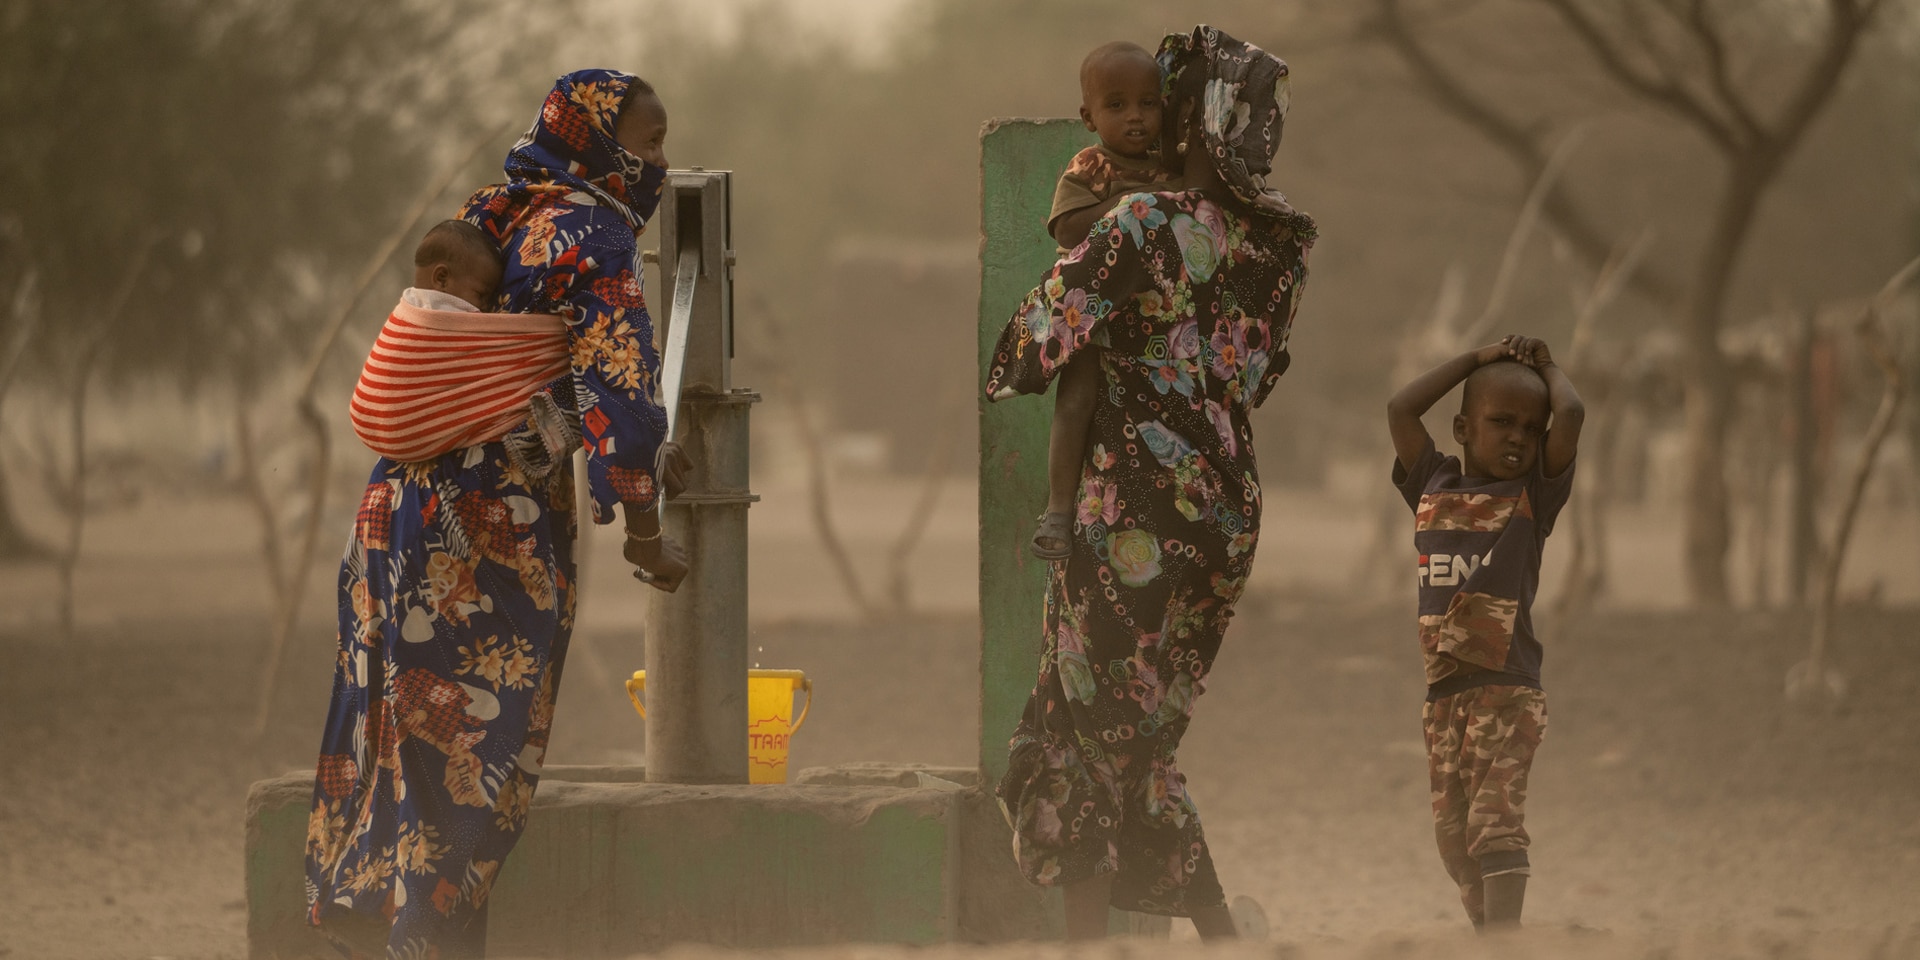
457 591
1184 300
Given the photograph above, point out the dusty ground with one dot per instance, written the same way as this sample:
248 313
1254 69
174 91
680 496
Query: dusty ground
1674 793
1675 798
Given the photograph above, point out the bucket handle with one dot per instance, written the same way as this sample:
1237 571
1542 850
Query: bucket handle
807 686
638 683
634 686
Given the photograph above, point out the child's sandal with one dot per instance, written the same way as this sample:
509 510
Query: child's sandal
1055 528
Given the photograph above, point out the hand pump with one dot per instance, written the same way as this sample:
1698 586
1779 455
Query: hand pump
697 637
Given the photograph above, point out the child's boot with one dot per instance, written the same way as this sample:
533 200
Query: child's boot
1504 895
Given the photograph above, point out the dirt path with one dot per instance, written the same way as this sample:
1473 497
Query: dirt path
1674 792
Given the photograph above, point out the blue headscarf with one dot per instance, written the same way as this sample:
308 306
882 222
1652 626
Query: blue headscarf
570 149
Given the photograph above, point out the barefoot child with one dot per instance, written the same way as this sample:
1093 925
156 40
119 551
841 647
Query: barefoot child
1120 99
1480 522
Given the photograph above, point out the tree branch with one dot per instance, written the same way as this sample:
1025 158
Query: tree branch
1699 23
1520 145
29 314
1849 19
1660 88
1522 230
1507 134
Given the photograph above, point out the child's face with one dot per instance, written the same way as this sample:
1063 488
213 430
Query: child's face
1121 102
1499 432
472 278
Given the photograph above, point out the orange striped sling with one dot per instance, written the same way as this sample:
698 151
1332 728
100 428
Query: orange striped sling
440 380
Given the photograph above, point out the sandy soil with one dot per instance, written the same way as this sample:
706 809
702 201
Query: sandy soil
1674 792
1675 797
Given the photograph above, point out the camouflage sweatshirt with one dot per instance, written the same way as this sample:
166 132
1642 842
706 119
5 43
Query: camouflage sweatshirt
1479 542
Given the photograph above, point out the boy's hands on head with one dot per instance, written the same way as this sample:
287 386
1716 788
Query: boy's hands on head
1410 437
1569 413
1506 348
1531 351
1492 353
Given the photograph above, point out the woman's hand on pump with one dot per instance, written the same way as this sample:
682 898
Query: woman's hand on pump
673 468
660 561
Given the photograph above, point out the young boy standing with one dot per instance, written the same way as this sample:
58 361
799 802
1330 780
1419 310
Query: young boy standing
1480 521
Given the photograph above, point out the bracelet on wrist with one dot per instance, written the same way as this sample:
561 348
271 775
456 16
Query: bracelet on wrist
636 538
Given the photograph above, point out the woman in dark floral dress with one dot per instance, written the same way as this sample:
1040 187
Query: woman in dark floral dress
1184 300
457 591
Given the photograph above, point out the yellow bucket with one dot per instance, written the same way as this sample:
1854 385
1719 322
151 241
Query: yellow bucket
770 719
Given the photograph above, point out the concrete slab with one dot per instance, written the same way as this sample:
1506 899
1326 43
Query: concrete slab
610 869
888 775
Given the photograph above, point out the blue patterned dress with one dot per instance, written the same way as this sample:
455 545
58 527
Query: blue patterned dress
457 591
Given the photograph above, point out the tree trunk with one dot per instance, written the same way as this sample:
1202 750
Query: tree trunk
15 543
1812 675
1757 473
1709 384
272 544
74 495
1706 532
1802 538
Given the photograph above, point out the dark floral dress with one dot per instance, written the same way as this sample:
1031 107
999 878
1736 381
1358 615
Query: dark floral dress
1186 304
457 590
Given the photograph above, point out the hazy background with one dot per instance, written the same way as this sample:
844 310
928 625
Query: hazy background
228 166
195 187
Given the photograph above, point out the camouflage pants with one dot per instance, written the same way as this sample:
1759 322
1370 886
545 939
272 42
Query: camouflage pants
1480 746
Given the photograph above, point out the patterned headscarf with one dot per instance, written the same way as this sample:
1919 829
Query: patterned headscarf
1242 109
570 149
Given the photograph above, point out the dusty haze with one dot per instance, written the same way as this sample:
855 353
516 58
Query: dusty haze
196 188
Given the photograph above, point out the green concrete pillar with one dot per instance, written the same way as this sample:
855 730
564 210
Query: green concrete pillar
1020 161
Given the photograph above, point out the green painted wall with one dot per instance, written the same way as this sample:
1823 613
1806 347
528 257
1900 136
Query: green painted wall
1020 161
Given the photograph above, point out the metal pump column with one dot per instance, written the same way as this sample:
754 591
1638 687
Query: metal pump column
697 637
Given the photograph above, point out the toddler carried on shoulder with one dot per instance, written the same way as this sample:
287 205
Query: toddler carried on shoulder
1121 100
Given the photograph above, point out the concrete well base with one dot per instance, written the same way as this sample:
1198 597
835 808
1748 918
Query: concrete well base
608 869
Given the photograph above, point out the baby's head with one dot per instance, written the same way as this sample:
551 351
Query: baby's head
457 257
1503 414
1120 97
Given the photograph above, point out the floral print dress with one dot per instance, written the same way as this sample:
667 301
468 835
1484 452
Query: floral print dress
1185 304
457 591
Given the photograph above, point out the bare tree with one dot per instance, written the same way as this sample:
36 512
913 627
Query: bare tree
1600 387
815 446
1677 57
70 492
1812 678
25 316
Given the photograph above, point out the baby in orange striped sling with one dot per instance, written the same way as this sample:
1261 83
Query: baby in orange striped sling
444 375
